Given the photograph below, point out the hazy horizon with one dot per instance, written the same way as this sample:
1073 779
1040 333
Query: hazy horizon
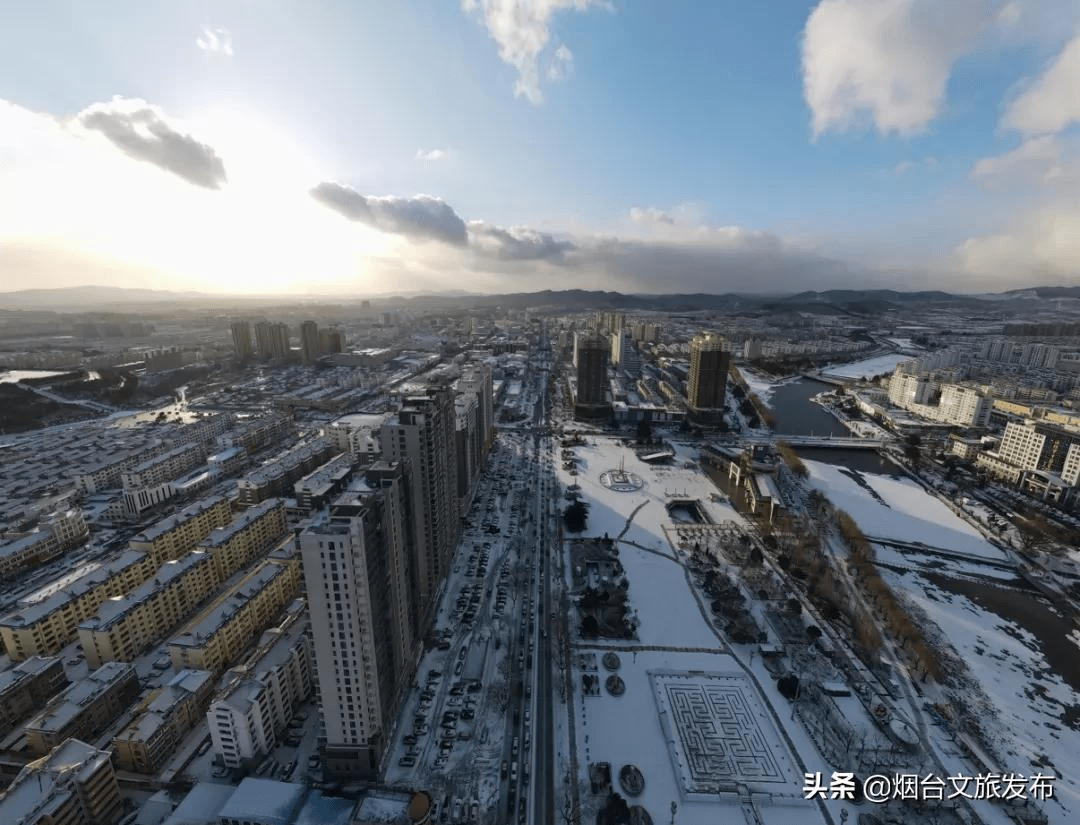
500 146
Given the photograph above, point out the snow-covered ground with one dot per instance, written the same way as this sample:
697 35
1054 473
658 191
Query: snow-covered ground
897 508
871 367
762 385
675 643
1027 699
1022 702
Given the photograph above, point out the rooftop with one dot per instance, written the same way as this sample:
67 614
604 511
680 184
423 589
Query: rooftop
166 525
60 712
222 535
210 621
39 788
264 801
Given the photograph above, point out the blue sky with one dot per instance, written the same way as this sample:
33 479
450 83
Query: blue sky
391 145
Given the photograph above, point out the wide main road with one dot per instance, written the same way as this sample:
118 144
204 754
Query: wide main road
544 773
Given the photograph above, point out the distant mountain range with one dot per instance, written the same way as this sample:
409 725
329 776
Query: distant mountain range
853 302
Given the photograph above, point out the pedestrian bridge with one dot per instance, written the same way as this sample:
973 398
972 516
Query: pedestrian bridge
847 442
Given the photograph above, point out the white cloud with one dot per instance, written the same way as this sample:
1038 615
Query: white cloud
75 210
142 131
431 154
518 243
418 218
1041 239
886 62
561 66
215 40
1052 102
1044 161
1043 245
521 28
650 215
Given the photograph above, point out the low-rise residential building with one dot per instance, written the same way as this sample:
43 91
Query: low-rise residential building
27 687
147 484
250 533
277 477
175 536
260 696
162 721
260 801
258 433
55 533
314 491
164 467
966 448
74 784
126 625
214 638
84 709
44 627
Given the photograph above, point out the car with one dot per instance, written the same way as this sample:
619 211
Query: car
407 761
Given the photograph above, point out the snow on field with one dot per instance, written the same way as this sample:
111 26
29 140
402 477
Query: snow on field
1027 696
871 367
897 508
760 384
675 637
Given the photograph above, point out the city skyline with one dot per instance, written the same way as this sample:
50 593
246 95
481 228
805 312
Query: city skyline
504 146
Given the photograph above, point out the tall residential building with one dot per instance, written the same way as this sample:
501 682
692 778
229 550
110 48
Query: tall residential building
272 340
241 338
331 341
964 406
1039 356
477 379
591 356
355 567
624 354
708 377
309 341
422 437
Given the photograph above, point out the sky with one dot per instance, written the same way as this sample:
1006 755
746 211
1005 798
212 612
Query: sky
400 146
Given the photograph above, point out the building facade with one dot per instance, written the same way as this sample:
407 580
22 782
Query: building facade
160 724
421 437
74 785
707 385
260 696
355 569
216 636
85 708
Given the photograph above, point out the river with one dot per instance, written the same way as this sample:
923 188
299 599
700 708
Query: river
1012 602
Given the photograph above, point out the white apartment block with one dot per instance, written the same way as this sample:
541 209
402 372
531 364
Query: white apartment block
1070 470
907 388
359 435
361 627
964 406
260 696
1022 446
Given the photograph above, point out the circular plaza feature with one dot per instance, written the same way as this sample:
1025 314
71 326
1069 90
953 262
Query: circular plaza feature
615 685
621 481
631 779
611 660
